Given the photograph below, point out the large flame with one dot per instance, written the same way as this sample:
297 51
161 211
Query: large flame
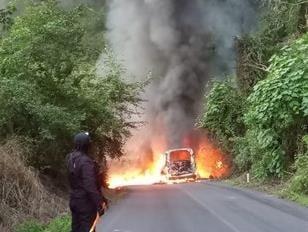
211 163
122 174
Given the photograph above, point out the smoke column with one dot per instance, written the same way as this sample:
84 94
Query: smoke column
182 43
3 3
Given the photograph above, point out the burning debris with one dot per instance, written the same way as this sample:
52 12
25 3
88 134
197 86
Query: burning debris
211 161
178 165
181 43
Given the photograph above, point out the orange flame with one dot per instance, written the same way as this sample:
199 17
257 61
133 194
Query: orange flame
121 176
211 163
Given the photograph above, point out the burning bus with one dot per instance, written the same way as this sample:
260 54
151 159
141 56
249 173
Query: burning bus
179 164
205 160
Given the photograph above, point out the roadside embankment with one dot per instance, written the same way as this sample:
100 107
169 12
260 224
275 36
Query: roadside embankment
280 188
22 195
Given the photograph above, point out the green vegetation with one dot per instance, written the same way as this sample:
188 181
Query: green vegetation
49 87
6 20
22 194
280 21
277 112
50 90
223 116
297 187
263 119
62 224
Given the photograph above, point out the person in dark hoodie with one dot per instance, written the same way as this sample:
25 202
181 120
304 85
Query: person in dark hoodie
86 198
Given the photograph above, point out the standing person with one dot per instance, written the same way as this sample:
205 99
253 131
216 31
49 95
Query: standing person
86 198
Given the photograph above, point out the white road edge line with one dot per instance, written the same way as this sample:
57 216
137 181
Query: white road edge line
227 223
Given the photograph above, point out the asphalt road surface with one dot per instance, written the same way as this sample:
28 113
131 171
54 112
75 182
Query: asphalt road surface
206 207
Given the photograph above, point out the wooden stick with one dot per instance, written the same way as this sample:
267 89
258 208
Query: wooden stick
95 223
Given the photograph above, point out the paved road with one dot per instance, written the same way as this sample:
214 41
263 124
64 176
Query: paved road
202 207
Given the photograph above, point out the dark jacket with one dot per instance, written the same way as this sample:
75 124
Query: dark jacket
84 182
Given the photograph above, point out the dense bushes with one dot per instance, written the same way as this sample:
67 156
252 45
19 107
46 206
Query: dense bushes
6 19
280 21
277 112
266 114
62 224
275 116
22 195
49 88
299 182
223 115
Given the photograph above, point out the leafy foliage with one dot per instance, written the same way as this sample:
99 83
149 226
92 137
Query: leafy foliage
6 19
299 182
62 224
281 98
59 224
49 88
277 106
280 21
30 226
259 151
270 114
265 135
224 113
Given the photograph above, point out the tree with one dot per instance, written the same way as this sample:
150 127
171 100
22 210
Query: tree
223 115
278 110
6 19
279 22
49 89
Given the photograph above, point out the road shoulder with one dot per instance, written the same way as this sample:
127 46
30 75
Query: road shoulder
278 189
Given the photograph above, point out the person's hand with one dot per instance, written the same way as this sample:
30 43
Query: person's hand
101 211
103 208
106 203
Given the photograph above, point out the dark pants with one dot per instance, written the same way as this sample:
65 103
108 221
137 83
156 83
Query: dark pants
82 217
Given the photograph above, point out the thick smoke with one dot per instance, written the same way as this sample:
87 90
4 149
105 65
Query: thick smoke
182 43
3 3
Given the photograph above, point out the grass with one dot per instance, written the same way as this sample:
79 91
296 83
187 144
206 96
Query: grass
61 223
22 196
301 199
278 188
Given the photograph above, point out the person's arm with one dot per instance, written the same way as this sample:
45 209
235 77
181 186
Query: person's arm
89 183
